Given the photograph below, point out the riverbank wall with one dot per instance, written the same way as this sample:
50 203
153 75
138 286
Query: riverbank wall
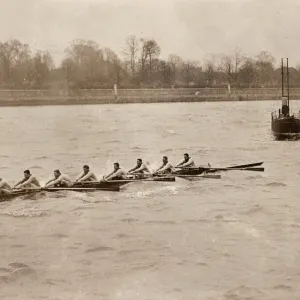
108 96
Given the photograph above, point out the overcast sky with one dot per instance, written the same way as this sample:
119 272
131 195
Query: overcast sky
189 28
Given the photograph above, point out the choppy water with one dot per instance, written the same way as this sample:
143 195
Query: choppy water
234 238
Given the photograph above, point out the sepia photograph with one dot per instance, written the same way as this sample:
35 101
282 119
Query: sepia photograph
149 150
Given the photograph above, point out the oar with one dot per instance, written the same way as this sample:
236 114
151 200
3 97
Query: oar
81 189
82 184
199 176
28 189
204 169
238 169
246 166
146 177
130 180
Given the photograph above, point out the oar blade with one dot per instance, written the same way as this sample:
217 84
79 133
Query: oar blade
246 166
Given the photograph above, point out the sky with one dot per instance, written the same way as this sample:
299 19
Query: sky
191 29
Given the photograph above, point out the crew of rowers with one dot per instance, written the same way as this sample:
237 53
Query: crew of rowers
63 180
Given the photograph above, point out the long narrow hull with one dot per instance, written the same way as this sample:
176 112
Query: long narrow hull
99 185
15 194
112 185
121 182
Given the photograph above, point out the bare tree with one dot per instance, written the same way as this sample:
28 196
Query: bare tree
86 65
265 66
238 58
226 66
131 52
69 68
89 61
266 57
153 52
176 64
247 73
210 72
149 51
189 72
114 68
12 52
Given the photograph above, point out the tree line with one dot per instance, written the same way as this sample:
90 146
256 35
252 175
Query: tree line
88 66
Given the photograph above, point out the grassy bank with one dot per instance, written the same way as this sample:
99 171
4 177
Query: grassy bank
82 97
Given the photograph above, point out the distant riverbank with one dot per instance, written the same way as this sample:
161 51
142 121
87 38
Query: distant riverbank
108 96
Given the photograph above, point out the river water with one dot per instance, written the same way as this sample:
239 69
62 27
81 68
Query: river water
232 238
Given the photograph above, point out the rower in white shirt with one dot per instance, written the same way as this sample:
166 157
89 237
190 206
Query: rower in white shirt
117 174
186 162
59 180
86 175
165 168
29 181
5 188
140 168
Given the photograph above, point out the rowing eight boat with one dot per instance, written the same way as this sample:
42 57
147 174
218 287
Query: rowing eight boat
114 185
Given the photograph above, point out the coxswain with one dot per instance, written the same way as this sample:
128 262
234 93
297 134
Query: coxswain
186 162
29 181
166 167
140 168
5 188
59 180
117 174
86 175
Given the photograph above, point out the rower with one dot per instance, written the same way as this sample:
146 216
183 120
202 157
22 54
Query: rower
140 168
59 180
5 188
86 175
29 181
117 174
186 162
166 167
